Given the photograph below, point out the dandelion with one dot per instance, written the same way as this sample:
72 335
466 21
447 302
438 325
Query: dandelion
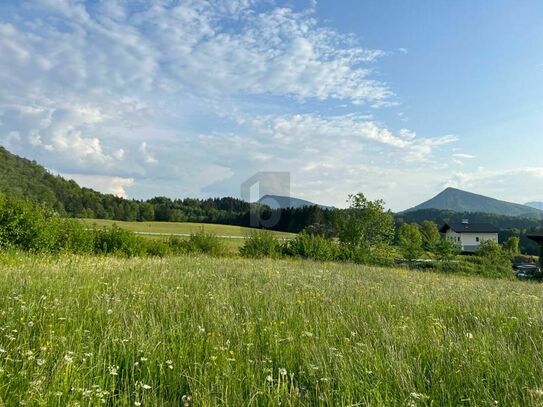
109 311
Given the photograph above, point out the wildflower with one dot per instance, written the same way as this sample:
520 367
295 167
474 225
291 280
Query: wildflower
40 362
30 324
283 371
114 370
109 311
146 387
186 400
69 357
269 378
137 403
169 363
469 335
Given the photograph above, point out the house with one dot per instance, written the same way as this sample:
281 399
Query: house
468 236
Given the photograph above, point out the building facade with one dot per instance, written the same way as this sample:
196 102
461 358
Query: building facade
469 236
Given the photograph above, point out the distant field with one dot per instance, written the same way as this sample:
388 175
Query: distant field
183 228
204 331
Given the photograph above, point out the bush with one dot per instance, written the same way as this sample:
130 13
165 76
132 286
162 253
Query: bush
157 248
378 255
204 242
73 237
260 244
314 247
177 245
118 241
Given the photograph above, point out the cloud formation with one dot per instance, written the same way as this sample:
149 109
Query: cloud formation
189 97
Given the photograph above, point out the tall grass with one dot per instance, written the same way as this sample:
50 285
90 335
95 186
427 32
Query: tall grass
215 331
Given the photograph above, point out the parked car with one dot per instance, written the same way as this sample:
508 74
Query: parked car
529 272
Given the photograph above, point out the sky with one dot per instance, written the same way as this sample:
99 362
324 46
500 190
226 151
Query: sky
397 100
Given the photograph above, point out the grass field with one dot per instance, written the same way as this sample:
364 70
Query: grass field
209 331
231 236
183 228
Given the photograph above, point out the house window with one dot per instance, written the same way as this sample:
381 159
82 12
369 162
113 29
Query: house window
477 239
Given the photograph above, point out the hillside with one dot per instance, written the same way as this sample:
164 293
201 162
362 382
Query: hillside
456 200
283 202
24 178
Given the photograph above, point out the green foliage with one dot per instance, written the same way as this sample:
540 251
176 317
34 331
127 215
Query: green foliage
205 242
260 244
446 250
493 259
410 241
430 235
314 247
116 240
365 223
511 246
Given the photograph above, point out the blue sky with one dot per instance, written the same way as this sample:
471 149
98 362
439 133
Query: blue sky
190 98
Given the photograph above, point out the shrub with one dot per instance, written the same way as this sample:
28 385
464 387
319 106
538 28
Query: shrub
157 248
177 245
378 255
72 236
205 242
410 241
260 244
314 247
118 241
26 226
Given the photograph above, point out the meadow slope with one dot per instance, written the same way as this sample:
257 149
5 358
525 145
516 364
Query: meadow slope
209 331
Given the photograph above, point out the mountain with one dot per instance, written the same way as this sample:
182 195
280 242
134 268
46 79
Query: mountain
282 202
536 205
456 200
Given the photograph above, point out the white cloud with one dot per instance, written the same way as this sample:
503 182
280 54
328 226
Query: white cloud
147 156
105 184
180 95
516 185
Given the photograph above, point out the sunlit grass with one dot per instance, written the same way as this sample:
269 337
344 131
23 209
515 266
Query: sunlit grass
181 228
209 331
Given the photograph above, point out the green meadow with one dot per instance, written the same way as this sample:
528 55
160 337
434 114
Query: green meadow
205 331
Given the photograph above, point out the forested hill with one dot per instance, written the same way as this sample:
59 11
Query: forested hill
25 178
